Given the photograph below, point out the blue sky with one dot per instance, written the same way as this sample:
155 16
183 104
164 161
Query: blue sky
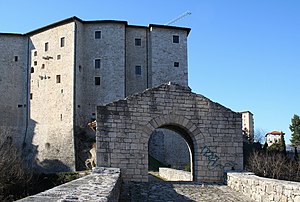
244 55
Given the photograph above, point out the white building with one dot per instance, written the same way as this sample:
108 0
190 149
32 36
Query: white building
248 125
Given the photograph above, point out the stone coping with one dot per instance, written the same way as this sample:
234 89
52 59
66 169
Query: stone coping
104 184
263 189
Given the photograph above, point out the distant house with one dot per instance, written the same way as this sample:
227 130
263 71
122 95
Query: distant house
273 137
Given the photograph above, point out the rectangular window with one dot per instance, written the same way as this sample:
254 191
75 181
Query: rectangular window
58 79
137 42
176 64
97 34
138 70
16 58
175 39
35 63
31 96
97 81
58 57
35 53
62 41
43 66
97 63
46 46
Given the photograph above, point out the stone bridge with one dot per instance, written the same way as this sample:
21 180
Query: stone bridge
213 133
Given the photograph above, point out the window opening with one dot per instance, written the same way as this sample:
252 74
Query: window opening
58 57
16 58
97 34
175 39
31 70
58 78
97 64
97 81
62 42
176 64
138 70
46 46
138 42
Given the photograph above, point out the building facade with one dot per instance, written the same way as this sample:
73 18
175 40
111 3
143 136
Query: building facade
55 76
274 137
248 126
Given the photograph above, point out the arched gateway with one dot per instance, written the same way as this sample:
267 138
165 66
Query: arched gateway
213 132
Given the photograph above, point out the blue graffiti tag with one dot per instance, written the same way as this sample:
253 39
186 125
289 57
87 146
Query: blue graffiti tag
213 160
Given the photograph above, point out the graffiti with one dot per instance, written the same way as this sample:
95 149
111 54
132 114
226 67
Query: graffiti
213 160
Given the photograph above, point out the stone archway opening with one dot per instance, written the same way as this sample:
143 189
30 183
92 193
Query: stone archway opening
170 154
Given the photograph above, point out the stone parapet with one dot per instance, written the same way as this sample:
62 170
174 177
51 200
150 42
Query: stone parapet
174 175
264 189
104 184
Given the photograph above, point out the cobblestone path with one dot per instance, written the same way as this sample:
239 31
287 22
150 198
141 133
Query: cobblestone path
178 191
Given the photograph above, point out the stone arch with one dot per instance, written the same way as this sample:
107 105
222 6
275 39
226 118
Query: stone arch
184 127
212 132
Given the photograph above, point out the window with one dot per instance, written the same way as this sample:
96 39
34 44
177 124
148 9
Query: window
31 96
79 68
62 41
43 66
35 53
35 63
175 39
97 34
97 63
46 46
176 64
19 106
16 58
32 69
58 79
58 57
138 70
138 42
97 81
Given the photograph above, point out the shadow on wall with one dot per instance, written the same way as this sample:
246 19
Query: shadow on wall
30 154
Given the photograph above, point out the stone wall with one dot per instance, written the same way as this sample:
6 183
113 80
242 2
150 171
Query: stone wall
174 175
212 132
104 184
264 189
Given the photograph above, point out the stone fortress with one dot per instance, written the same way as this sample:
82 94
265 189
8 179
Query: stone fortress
54 77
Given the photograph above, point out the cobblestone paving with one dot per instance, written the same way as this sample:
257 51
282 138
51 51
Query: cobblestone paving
178 191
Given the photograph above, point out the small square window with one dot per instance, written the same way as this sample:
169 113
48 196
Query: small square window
35 53
46 46
97 81
97 34
138 70
176 64
58 78
58 57
62 41
138 41
35 63
97 63
16 58
175 39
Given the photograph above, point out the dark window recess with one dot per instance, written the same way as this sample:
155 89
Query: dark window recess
19 106
61 117
32 70
58 78
78 106
176 64
93 114
58 57
31 96
97 81
138 70
62 91
16 58
46 46
35 63
35 53
138 42
43 66
175 39
97 64
62 42
79 68
97 34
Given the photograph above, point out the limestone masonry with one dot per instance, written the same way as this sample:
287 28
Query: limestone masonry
54 77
